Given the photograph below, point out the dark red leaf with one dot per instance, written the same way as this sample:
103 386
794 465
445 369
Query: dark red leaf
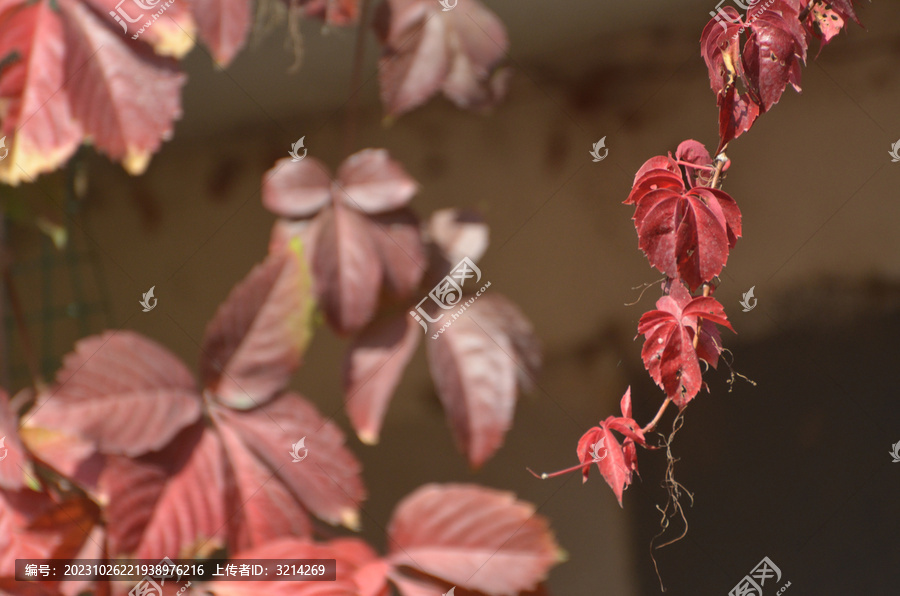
720 48
373 365
737 113
121 391
695 152
773 51
668 353
257 338
684 233
472 537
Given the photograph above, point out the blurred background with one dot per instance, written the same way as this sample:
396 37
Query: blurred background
793 466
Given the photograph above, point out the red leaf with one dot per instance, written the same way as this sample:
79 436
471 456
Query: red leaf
260 508
474 364
372 182
257 338
826 20
223 26
332 12
684 233
737 113
695 152
773 51
720 48
38 119
373 365
34 526
472 537
613 463
125 98
15 467
327 482
426 50
347 269
125 393
668 353
168 502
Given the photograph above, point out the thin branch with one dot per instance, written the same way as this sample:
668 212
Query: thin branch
359 54
652 424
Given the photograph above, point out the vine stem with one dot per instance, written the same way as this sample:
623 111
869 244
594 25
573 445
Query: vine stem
359 54
652 424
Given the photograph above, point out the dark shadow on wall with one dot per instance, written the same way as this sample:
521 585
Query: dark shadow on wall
796 468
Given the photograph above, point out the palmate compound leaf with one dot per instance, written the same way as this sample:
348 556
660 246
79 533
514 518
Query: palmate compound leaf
358 235
477 364
258 335
616 462
472 537
685 233
668 353
427 49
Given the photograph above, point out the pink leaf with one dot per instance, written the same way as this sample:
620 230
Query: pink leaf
223 26
458 233
125 98
257 338
347 269
38 119
169 502
15 467
124 392
373 366
472 537
327 482
399 243
296 189
372 182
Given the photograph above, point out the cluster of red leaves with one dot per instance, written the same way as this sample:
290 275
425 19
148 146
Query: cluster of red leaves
69 73
125 457
371 262
763 51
